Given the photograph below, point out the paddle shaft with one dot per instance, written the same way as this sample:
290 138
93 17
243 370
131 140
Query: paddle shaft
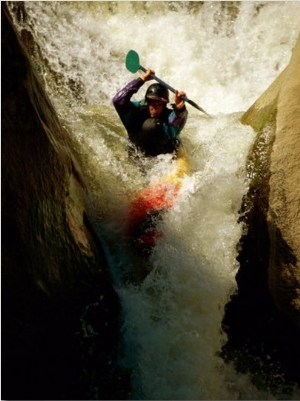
173 90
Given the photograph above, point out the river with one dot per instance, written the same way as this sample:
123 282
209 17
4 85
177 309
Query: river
224 55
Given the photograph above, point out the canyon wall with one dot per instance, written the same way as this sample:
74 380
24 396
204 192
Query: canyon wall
53 266
278 189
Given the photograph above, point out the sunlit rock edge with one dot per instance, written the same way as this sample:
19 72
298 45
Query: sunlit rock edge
276 182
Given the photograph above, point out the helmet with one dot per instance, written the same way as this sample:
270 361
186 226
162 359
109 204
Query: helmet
157 92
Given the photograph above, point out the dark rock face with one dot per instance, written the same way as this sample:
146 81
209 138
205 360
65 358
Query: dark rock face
263 319
54 273
280 104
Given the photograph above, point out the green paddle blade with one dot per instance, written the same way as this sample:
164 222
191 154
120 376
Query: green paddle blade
132 61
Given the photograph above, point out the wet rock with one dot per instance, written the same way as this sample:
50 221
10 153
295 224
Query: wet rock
53 265
262 319
278 109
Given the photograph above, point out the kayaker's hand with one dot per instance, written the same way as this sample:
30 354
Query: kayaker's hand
179 102
147 75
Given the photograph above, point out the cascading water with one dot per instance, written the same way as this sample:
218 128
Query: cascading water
224 55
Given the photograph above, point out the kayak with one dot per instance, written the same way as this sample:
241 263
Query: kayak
149 205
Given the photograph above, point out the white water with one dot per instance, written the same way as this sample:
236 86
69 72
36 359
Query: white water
172 321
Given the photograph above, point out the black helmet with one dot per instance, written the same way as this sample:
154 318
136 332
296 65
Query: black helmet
157 92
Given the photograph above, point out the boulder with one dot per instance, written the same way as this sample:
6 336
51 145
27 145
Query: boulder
276 114
53 266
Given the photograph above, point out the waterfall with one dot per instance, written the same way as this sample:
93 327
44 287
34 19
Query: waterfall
223 55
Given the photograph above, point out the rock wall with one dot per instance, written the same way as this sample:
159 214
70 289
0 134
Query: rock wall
279 191
53 267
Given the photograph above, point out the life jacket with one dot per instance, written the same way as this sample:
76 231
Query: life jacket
152 134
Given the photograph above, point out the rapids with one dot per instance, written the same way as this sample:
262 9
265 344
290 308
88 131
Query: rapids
224 55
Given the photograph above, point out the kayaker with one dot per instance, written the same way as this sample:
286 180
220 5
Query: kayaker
152 127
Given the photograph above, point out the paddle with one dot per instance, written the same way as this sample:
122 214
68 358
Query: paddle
133 65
